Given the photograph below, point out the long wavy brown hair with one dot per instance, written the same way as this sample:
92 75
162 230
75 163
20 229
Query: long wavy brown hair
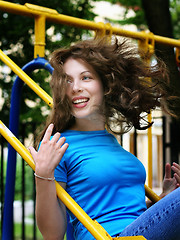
131 87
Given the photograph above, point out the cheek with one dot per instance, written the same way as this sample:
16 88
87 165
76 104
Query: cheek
99 91
101 100
99 95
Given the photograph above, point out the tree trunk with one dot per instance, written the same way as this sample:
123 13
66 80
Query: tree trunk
159 22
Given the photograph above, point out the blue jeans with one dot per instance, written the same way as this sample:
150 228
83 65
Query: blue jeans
159 222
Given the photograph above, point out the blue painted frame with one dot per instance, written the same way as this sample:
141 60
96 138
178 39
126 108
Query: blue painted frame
37 63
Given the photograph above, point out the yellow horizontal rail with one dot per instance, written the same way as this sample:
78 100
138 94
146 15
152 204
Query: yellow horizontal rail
93 227
52 15
33 85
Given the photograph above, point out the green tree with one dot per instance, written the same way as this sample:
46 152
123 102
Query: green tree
159 20
138 19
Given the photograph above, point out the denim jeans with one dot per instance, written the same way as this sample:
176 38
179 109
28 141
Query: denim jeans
159 222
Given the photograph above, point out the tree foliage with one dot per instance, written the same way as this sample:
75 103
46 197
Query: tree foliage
135 5
175 15
139 18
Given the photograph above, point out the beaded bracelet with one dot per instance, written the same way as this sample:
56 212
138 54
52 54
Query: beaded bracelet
44 178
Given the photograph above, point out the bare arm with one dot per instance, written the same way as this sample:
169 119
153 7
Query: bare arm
50 212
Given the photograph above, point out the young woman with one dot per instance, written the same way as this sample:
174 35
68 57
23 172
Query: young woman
99 88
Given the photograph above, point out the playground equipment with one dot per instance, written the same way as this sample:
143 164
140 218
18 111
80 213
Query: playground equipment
41 14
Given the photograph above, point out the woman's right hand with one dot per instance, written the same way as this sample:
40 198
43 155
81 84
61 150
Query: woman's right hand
49 154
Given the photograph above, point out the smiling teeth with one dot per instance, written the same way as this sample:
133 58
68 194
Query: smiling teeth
80 101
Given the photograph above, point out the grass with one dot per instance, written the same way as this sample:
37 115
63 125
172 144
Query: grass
28 232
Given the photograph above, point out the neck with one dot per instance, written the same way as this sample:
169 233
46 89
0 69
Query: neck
88 125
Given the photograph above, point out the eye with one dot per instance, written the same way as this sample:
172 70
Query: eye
86 78
69 81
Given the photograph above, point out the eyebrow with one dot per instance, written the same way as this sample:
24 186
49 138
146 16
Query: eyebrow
80 73
85 72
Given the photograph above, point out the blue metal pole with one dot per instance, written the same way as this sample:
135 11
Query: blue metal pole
37 63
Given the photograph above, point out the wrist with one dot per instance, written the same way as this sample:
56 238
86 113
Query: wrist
44 178
46 173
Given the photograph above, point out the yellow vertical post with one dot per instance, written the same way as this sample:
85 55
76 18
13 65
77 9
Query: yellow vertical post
106 30
147 45
150 152
39 45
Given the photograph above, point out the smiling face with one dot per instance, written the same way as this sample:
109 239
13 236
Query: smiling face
84 90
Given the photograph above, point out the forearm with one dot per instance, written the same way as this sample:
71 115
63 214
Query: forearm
50 215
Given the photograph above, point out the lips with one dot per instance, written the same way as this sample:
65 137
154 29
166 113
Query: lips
80 101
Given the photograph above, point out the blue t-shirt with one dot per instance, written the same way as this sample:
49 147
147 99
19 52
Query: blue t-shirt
104 179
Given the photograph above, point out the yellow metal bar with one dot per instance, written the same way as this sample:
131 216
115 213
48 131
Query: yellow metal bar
39 45
147 46
151 194
130 238
16 144
34 86
150 152
93 227
52 15
28 10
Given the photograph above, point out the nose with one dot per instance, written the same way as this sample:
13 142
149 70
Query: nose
76 86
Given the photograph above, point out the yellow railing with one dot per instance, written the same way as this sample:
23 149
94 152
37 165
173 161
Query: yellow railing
34 86
41 15
147 45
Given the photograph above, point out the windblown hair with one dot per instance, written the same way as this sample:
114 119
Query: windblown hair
131 87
